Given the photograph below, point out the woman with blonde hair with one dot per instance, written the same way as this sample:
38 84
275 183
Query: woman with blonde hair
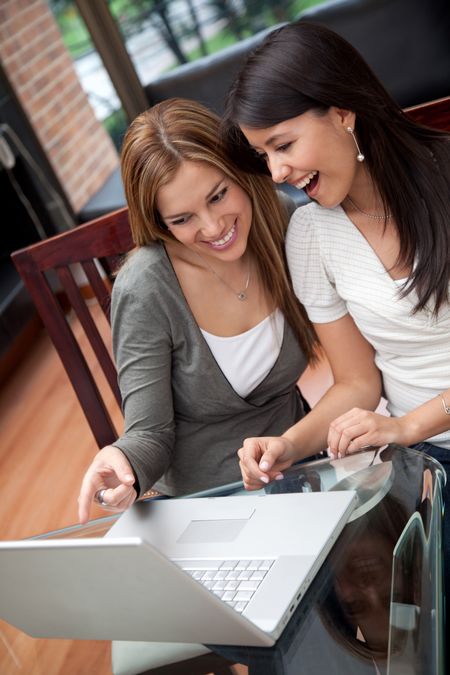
208 336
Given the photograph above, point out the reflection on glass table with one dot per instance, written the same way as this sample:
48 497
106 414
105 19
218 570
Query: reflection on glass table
376 604
376 607
416 596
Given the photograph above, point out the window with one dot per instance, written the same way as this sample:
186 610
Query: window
158 35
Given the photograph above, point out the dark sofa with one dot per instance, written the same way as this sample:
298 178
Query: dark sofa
406 42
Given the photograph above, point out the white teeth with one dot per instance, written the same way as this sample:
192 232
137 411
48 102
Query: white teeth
225 239
301 184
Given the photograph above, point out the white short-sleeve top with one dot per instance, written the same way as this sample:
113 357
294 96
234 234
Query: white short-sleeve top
335 271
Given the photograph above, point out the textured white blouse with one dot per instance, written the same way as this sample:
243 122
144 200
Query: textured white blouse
335 271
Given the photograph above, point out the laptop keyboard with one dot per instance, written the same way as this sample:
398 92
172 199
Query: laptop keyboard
233 581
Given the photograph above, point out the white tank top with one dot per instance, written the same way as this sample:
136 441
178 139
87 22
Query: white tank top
248 358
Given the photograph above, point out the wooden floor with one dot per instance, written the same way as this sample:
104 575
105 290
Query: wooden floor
45 448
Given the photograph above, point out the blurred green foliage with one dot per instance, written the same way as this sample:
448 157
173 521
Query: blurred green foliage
133 14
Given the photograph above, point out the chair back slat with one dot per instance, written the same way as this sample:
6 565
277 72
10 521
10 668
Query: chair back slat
112 264
100 286
92 333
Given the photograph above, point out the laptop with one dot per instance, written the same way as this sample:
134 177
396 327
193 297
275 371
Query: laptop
145 579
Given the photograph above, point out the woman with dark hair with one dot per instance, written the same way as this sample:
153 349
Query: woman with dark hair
208 335
370 256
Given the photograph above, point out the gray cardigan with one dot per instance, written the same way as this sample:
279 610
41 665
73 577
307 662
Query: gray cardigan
183 420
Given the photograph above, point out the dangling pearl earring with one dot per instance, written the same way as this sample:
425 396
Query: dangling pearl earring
359 156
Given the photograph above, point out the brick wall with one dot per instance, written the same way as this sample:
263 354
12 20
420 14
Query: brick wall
45 81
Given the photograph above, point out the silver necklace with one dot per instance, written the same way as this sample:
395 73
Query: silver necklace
241 295
369 215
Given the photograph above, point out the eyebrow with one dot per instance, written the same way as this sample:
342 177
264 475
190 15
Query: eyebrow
210 193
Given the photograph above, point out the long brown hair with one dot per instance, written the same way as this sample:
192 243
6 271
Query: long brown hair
178 130
302 66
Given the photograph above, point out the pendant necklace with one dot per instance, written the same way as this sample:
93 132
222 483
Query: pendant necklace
242 294
369 215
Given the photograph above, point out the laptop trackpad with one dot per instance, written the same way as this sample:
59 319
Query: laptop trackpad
204 531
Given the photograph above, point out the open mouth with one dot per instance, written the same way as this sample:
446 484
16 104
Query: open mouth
309 182
225 240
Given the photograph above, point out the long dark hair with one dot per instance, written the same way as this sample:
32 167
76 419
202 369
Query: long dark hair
179 130
303 66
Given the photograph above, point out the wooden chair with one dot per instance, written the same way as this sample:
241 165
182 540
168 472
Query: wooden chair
107 239
435 114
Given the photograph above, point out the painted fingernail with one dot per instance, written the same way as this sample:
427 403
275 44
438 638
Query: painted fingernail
279 476
264 479
264 466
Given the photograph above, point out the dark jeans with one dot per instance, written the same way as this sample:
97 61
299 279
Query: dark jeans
442 455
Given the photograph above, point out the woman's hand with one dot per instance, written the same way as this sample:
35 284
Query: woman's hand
263 459
110 471
358 428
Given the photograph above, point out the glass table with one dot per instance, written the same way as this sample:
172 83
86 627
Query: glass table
376 605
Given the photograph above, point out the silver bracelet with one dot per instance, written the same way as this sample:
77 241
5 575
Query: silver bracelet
444 405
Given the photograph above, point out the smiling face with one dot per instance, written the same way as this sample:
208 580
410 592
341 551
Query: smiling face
313 151
206 211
